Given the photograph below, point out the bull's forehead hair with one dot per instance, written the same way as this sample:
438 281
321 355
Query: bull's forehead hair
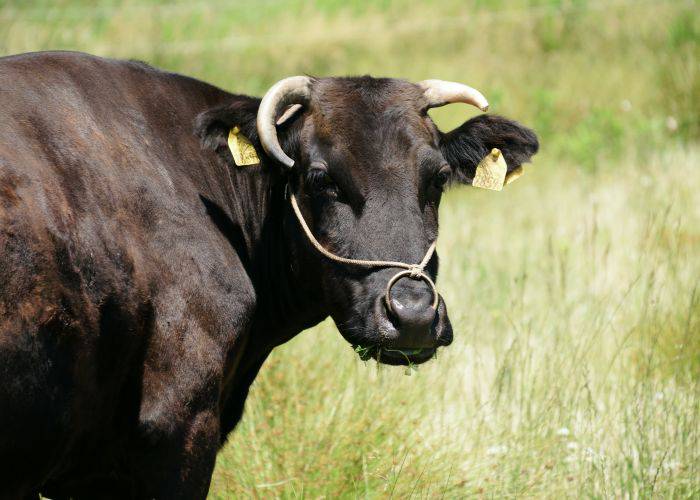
364 94
358 105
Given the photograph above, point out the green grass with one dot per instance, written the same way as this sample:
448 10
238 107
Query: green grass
574 293
576 306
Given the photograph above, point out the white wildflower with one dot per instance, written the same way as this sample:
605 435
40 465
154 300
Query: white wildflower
671 124
563 432
498 449
572 445
670 465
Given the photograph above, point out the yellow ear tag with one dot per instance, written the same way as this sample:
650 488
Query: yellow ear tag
491 172
242 150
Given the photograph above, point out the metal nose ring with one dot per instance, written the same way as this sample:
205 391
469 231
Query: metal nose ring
415 273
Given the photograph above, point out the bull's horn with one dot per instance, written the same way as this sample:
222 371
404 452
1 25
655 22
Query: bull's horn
288 114
292 90
441 92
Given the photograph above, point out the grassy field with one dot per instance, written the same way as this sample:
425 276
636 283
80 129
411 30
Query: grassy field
574 293
574 372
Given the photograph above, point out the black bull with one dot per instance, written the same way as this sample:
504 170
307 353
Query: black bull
144 278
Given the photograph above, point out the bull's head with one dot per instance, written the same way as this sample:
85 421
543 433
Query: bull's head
368 167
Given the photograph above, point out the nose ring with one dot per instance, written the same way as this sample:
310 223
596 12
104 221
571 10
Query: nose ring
415 273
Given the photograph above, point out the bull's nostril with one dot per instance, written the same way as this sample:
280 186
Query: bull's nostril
414 315
409 306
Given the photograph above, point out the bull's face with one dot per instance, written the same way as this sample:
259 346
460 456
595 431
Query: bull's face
368 167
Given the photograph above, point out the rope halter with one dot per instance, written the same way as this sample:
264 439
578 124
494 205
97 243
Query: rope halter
412 271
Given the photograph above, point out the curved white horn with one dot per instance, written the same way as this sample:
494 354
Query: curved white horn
441 92
292 90
288 113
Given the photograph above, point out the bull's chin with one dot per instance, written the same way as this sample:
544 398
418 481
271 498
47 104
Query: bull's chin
395 356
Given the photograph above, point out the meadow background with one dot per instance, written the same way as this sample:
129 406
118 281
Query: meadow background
574 293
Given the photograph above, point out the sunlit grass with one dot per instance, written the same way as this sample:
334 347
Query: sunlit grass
576 307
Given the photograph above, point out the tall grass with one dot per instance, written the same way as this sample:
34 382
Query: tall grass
576 306
574 293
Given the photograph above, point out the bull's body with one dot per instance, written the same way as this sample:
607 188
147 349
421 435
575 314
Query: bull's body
130 330
144 278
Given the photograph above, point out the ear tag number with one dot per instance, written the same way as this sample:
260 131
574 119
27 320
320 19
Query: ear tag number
241 148
491 172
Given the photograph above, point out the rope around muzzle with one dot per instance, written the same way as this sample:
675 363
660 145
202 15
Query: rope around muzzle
412 271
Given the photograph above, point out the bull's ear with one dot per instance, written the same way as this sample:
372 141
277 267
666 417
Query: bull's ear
468 144
213 126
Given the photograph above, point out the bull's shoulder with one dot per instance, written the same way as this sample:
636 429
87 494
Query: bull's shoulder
100 170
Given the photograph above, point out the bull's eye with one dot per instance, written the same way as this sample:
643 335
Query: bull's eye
443 176
320 182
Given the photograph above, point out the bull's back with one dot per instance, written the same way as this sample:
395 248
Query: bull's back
98 168
90 192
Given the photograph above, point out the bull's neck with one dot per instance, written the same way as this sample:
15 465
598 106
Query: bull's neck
288 300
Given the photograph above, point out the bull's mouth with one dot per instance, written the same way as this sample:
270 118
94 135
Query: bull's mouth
395 355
